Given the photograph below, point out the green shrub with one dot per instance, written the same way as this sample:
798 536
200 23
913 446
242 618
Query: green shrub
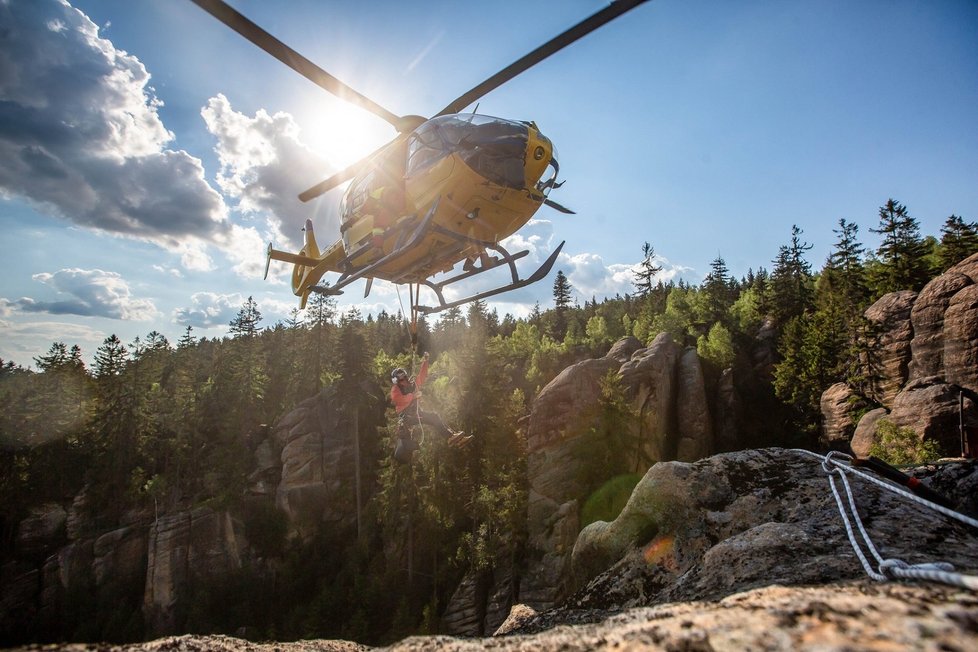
606 503
902 446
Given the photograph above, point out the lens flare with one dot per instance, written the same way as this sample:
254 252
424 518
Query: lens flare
661 551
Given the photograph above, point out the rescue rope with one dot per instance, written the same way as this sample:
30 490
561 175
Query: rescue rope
412 323
888 569
412 326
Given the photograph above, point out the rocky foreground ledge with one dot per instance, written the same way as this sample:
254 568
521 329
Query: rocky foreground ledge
861 615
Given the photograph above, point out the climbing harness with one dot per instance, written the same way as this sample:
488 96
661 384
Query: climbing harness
888 569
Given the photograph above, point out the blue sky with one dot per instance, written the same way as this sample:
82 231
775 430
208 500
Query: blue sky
148 153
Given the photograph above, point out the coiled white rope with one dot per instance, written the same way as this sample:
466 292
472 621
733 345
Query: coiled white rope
889 568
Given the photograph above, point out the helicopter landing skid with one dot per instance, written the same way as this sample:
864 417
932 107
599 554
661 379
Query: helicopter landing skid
410 238
502 257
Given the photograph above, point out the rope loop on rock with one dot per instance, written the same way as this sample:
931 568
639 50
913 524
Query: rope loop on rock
887 569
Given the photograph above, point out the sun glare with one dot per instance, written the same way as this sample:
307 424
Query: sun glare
342 133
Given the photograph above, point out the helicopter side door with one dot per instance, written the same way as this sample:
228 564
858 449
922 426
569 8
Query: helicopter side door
375 199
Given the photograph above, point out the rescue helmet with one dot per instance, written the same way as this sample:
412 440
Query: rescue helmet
397 375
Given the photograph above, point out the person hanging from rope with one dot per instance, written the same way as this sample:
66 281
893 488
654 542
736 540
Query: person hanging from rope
406 395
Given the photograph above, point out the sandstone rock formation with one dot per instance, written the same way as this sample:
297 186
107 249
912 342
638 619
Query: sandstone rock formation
651 373
890 316
305 463
838 404
563 412
183 548
317 460
743 550
695 425
849 616
928 362
961 338
865 434
668 392
927 321
932 408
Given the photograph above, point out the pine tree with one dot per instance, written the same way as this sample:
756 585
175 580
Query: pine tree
562 302
646 272
247 319
320 314
717 290
959 239
56 357
902 255
562 291
843 286
790 286
187 339
110 358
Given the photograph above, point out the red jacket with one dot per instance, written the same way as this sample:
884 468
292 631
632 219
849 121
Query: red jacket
403 398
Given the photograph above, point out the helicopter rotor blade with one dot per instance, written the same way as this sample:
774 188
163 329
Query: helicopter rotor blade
346 173
246 28
586 26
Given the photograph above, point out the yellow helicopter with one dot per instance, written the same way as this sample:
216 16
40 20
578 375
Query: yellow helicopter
445 190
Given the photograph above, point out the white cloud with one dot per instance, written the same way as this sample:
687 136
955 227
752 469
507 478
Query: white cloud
193 256
80 133
246 249
264 166
89 293
23 342
208 310
170 271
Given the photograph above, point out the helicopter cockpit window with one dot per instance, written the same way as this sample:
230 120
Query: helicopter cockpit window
494 148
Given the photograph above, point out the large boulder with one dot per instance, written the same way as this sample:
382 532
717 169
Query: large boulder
933 409
865 434
623 349
890 316
838 403
739 521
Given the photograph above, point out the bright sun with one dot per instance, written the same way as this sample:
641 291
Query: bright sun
342 133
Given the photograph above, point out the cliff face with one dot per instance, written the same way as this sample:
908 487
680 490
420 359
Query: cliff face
149 565
742 550
680 417
927 363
